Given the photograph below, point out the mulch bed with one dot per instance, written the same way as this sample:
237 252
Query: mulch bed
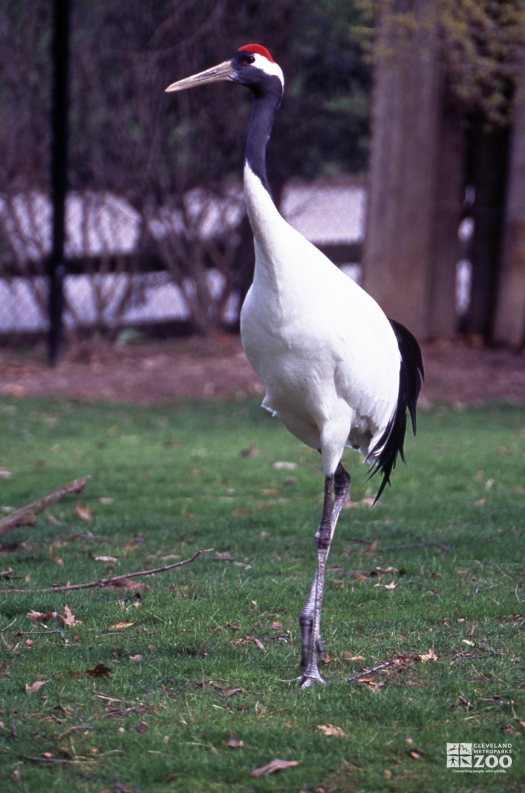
158 372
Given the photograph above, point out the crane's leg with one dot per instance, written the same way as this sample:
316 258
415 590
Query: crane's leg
312 649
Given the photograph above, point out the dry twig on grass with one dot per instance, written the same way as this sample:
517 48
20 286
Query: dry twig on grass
26 516
397 660
115 580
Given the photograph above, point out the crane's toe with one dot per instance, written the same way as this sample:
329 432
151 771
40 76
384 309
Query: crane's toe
308 680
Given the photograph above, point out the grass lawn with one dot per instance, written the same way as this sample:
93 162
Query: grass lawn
188 681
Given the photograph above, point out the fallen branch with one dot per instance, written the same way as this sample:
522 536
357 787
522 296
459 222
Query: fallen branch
26 516
395 661
115 580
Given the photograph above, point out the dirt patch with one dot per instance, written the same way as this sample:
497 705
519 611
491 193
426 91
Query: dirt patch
198 368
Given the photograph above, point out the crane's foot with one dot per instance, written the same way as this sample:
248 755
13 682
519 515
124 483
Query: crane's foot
310 656
307 681
311 675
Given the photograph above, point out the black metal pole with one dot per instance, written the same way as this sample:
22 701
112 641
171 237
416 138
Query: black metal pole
59 161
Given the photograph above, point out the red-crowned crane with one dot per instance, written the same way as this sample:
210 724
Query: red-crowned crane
335 369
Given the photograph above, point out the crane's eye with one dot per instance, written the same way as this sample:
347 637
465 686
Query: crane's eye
247 60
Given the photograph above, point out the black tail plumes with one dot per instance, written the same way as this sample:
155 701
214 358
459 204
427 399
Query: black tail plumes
411 375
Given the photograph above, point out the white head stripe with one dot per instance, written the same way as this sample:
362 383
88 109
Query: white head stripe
268 67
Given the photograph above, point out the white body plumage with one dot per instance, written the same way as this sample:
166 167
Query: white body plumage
335 369
322 347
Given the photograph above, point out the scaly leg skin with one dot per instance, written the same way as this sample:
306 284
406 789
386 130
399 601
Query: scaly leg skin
312 647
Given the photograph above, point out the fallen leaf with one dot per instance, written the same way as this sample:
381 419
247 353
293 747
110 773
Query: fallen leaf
202 683
273 766
358 575
428 656
34 687
510 730
416 754
232 692
284 465
347 657
136 658
248 640
100 670
142 726
16 775
331 730
69 618
41 616
106 559
233 743
84 513
369 681
121 626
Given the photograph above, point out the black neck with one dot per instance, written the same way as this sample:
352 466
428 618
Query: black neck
264 109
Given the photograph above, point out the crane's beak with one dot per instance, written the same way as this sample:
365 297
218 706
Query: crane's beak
223 71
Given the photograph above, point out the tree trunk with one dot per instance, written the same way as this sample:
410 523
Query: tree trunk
411 246
509 324
490 168
445 217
